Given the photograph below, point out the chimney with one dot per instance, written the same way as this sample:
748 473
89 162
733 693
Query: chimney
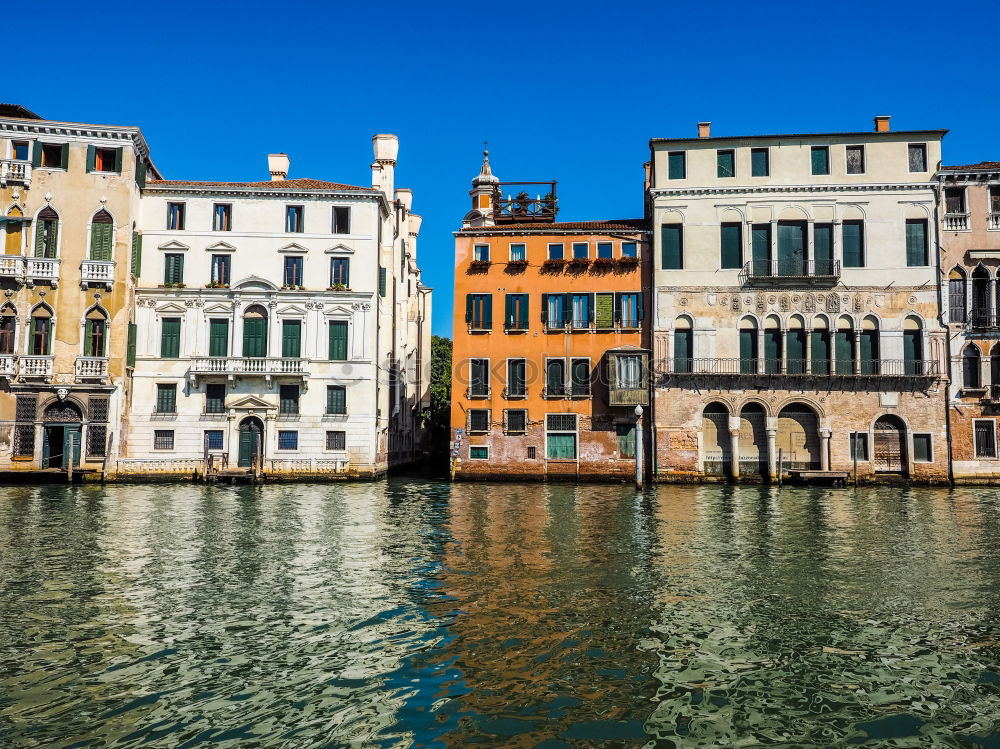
386 149
704 129
882 123
277 165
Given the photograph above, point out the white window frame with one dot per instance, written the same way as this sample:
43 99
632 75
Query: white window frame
545 375
476 248
183 204
479 447
574 245
548 250
506 382
975 446
506 423
913 454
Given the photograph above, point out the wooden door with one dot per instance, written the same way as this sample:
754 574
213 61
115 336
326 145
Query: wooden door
890 447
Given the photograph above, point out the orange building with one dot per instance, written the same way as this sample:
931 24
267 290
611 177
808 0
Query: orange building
550 354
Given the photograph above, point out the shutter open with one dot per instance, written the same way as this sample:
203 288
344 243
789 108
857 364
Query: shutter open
36 154
118 160
140 174
130 351
338 340
64 156
91 158
487 311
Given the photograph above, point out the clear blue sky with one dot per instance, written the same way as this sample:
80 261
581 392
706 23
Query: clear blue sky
569 91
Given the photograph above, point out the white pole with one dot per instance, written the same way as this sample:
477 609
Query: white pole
638 447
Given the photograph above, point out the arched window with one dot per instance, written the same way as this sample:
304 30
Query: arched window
796 343
995 365
956 295
970 367
8 328
683 345
748 346
95 333
15 235
981 308
46 233
772 345
101 236
869 355
255 331
844 346
820 345
913 347
40 335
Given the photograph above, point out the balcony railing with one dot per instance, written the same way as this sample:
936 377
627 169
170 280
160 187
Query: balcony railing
887 368
15 171
97 271
35 366
622 323
956 221
555 391
477 392
247 365
8 366
91 367
43 269
994 221
11 266
993 394
519 206
515 394
983 319
625 396
791 271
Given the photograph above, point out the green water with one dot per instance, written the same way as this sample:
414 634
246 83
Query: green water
420 614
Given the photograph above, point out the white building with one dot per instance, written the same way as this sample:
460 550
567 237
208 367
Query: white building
271 317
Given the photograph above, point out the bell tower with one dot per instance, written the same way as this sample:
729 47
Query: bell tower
484 185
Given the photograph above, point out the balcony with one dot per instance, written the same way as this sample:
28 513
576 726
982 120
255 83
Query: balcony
994 220
14 171
992 396
91 367
477 393
11 266
956 222
519 207
42 269
35 367
982 319
245 366
772 369
8 367
790 272
518 394
97 272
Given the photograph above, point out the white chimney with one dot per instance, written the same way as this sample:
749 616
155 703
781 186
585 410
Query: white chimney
386 148
405 196
277 165
415 221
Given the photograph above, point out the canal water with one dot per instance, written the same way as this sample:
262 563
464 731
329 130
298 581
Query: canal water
424 614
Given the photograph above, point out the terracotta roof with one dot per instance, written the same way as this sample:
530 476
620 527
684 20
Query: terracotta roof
982 165
303 183
618 225
863 134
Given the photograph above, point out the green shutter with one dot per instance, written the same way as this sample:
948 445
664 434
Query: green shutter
40 238
100 241
731 246
844 346
869 352
36 154
916 242
791 248
88 343
820 352
676 168
136 253
64 156
672 249
254 336
381 281
336 399
758 162
170 340
851 234
291 339
911 350
218 338
772 351
468 307
91 158
118 160
760 239
796 354
174 269
823 249
130 351
508 311
682 350
140 173
748 351
820 160
338 340
487 310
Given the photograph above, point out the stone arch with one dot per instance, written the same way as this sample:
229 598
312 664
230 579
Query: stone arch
716 444
889 454
798 436
46 233
852 212
793 213
69 410
916 211
753 458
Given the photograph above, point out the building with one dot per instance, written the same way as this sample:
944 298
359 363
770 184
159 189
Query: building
282 327
549 358
70 201
970 245
796 305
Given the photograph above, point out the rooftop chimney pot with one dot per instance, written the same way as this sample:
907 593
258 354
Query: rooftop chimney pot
704 129
882 123
277 165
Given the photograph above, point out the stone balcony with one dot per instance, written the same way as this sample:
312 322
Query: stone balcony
12 266
35 367
15 172
267 367
42 269
956 222
101 272
8 367
91 368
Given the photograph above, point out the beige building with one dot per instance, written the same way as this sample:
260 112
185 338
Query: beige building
70 196
969 212
796 306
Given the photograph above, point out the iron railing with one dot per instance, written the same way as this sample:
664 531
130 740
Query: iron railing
804 367
981 319
818 271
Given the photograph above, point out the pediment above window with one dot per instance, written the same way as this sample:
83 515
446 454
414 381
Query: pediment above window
170 309
294 247
339 249
217 309
292 309
254 282
173 246
220 247
252 402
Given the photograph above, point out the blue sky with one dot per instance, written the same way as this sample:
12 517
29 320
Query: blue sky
570 91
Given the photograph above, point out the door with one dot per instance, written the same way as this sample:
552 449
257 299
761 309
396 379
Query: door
760 238
251 439
823 249
791 249
71 445
890 445
52 446
254 336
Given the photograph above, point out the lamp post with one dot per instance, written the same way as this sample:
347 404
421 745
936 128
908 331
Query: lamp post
638 447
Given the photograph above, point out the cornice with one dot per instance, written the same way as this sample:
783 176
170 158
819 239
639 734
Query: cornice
128 133
552 233
258 192
772 189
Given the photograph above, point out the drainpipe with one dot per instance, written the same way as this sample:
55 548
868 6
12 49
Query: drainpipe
948 336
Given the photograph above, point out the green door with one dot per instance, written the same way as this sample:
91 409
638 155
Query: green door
291 339
71 445
250 442
796 351
254 336
791 249
912 353
820 352
844 345
761 241
748 351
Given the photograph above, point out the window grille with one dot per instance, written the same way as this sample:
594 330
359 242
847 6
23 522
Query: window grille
26 408
24 440
561 422
97 440
99 409
336 440
479 420
163 439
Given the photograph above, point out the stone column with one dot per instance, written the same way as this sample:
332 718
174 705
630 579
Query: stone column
809 345
760 348
772 448
783 363
857 351
810 247
734 446
824 449
773 249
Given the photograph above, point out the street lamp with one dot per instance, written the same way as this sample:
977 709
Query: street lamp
638 447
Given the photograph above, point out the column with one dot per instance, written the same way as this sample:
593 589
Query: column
824 449
856 343
760 348
809 345
810 251
734 446
773 249
772 448
783 364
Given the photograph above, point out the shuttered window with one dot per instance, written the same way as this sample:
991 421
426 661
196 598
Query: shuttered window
479 378
516 378
725 163
130 351
336 400
291 339
820 160
136 254
288 400
676 165
916 242
844 351
732 242
823 249
173 268
338 340
46 233
820 352
170 338
672 250
381 282
254 336
760 162
101 237
479 311
95 332
218 337
215 398
516 311
166 399
853 239
683 348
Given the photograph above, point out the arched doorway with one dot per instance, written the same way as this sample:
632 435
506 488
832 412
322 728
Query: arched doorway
753 441
890 445
798 438
251 442
61 435
715 439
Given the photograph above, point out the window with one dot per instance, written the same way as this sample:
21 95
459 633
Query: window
855 159
625 436
220 269
288 439
293 218
971 368
213 439
95 333
516 313
732 246
381 281
605 250
8 324
604 311
479 452
106 160
293 270
629 311
956 296
338 340
683 349
222 217
479 311
916 242
628 372
166 399
218 337
516 421
820 159
46 233
760 162
560 434
954 200
481 253
341 219
175 216
336 400
672 250
136 253
102 233
517 253
859 446
986 438
170 338
340 272
853 236
581 310
995 206
917 156
288 400
291 339
516 381
163 439
581 251
676 165
479 378
630 249
531 452
922 448
173 268
52 155
19 150
557 251
579 373
554 311
40 335
479 420
215 398
725 163
336 440
555 377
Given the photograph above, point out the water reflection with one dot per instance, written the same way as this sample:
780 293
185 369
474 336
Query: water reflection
428 615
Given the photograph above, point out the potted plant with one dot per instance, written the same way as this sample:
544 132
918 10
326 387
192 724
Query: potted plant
338 287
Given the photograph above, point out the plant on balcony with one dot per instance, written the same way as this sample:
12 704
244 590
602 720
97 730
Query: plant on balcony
479 264
176 285
216 285
580 261
292 287
549 204
628 261
338 287
522 203
604 262
517 263
554 263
